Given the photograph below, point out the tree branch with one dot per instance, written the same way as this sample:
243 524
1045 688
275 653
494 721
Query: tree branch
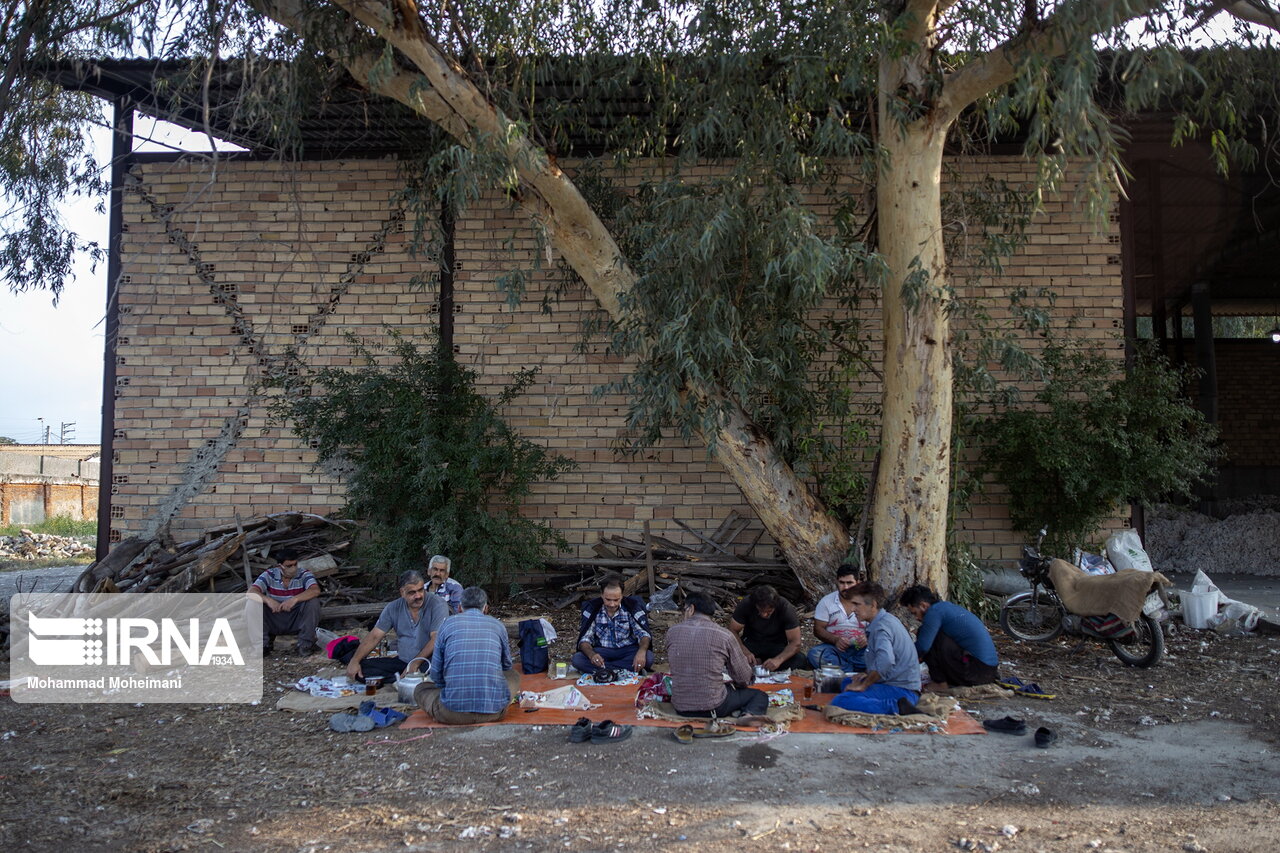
1050 38
919 19
1253 12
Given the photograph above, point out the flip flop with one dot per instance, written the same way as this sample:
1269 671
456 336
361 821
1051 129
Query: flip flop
1024 688
684 734
383 717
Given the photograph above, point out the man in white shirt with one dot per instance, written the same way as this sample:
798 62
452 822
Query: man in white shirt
843 638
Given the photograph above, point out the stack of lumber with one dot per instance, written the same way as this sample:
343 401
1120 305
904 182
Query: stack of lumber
227 558
709 565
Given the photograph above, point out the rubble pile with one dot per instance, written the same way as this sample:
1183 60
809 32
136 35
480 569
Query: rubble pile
1247 542
42 546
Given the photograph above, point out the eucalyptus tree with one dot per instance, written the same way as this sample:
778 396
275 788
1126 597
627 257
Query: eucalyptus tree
736 121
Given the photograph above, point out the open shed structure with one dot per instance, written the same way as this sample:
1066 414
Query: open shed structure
228 271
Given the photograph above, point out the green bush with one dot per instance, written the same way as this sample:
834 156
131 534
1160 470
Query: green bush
59 525
428 462
1093 441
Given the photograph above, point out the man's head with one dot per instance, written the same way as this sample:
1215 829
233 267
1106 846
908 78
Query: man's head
867 598
699 602
611 593
846 580
475 598
764 599
412 587
288 560
438 568
917 600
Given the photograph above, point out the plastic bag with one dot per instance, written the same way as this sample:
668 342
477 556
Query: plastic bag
1093 564
567 698
664 599
1124 550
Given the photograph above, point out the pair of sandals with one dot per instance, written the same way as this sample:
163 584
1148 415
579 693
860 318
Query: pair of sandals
1044 737
715 729
604 732
368 718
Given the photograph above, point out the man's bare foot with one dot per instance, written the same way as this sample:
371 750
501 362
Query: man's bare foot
935 687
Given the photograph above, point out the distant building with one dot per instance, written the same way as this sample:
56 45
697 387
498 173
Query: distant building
41 481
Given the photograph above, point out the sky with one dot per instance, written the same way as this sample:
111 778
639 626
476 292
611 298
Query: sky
51 357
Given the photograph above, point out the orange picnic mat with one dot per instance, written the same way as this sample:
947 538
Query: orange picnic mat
617 703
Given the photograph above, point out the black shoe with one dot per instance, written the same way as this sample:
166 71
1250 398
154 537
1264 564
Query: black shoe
906 708
609 731
1045 737
1006 725
306 651
580 732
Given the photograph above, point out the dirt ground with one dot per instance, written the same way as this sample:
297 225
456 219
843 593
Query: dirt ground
1179 757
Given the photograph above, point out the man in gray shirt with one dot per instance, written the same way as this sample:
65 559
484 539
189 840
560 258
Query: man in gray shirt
891 684
415 617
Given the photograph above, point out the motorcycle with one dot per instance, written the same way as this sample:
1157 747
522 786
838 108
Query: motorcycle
1039 615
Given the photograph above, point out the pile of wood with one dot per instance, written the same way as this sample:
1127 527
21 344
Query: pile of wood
653 562
228 558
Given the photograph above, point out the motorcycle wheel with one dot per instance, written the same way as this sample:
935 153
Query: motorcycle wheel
1035 619
1142 648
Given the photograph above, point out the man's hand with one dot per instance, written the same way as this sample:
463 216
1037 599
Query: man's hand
271 604
640 660
859 683
353 670
843 643
286 606
771 664
596 659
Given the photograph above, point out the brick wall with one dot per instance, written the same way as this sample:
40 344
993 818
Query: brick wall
220 279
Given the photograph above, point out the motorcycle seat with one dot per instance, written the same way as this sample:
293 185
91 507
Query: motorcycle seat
1122 593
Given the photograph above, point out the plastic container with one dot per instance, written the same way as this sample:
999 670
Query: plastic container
1198 608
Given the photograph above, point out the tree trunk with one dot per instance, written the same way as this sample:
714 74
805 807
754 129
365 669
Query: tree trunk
909 520
813 540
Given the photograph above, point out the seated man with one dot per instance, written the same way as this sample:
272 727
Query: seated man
416 618
614 632
769 628
439 583
844 638
701 653
891 684
953 642
290 602
471 666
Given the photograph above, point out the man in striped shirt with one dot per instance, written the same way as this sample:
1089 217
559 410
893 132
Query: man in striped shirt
290 602
471 666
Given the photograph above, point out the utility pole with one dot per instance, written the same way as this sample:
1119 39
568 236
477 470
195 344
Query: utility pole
44 434
67 433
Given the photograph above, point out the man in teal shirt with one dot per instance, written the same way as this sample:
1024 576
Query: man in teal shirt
953 642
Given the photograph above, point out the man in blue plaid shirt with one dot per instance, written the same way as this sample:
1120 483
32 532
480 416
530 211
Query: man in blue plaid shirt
471 667
614 632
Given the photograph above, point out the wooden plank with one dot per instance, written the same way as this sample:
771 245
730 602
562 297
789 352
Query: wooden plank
648 559
351 611
708 541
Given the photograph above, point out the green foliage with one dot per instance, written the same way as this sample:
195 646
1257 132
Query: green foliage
964 582
4 439
59 525
429 464
1094 440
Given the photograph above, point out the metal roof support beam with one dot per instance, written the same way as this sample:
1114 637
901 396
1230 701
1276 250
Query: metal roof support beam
1202 314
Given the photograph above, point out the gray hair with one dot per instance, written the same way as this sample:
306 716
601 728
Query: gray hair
474 598
441 558
411 576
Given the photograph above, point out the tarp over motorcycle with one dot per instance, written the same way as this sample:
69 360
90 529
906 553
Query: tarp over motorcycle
1122 593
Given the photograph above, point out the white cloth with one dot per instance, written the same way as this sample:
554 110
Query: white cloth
841 624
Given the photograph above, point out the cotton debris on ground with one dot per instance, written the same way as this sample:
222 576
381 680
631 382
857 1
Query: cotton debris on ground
1247 541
